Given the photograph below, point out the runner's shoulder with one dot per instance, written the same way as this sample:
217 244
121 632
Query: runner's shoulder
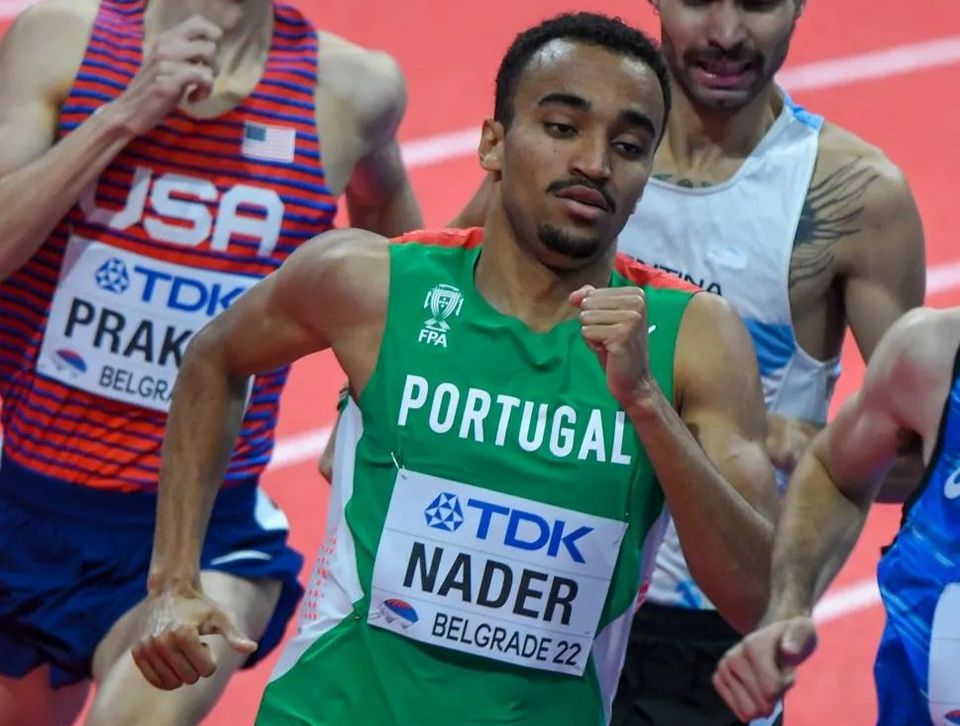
368 83
46 43
840 149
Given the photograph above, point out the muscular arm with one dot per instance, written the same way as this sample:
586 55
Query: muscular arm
859 252
40 181
344 275
711 460
360 106
885 275
841 474
883 283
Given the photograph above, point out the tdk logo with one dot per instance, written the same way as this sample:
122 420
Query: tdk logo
185 294
519 529
112 276
444 513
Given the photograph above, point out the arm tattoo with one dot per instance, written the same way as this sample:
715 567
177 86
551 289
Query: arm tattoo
832 210
682 181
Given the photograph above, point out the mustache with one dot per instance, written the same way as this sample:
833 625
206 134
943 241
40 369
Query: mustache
740 54
562 184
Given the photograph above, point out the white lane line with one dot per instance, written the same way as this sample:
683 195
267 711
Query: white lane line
943 278
10 8
842 601
299 448
883 63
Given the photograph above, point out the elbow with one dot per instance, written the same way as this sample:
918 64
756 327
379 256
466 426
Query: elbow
746 615
744 606
741 593
10 260
206 365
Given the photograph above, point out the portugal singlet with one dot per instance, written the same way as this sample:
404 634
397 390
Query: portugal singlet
492 518
916 668
181 223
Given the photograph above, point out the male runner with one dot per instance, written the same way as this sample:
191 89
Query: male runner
805 229
490 524
158 158
911 391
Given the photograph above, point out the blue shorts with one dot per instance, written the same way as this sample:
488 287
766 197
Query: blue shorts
73 560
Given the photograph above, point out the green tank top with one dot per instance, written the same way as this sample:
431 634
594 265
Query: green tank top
492 519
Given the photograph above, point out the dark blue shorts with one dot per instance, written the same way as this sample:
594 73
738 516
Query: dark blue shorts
73 560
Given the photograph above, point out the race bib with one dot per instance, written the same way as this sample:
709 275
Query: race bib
495 575
120 322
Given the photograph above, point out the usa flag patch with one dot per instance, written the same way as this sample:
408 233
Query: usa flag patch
273 143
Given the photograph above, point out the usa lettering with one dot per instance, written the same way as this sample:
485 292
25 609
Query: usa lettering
180 211
503 420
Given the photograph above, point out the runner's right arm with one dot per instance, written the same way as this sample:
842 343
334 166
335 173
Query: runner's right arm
41 178
829 495
342 273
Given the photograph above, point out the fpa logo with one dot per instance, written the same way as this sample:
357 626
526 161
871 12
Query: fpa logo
444 512
444 302
112 276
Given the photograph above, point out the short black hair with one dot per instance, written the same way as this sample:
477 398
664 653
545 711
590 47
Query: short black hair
590 28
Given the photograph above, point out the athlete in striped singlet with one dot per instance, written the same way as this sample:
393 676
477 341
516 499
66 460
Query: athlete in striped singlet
521 413
156 163
910 396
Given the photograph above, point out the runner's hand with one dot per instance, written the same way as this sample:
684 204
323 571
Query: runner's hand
614 324
171 653
753 676
180 65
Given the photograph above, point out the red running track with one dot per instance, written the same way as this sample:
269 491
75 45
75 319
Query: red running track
910 107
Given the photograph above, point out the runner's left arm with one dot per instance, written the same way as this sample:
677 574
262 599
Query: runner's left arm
379 195
710 458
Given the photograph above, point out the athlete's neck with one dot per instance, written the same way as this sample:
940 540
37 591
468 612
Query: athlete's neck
708 146
516 282
247 26
241 53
